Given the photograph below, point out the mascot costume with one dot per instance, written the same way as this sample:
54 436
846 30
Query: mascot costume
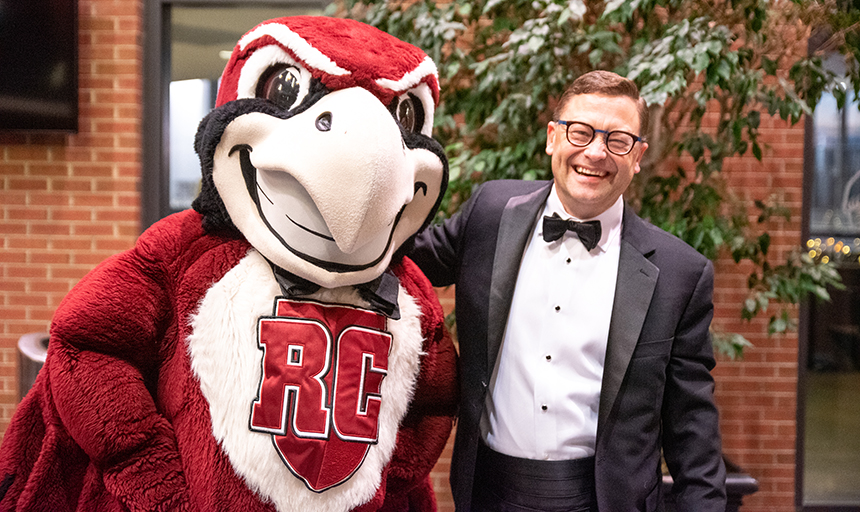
271 349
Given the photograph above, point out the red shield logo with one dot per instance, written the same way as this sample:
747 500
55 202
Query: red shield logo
319 394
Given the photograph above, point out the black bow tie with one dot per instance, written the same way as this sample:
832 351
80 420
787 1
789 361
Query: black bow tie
381 293
554 227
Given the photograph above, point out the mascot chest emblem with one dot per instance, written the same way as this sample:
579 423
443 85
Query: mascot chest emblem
320 389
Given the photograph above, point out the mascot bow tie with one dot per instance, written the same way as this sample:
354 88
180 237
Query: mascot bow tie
381 293
554 227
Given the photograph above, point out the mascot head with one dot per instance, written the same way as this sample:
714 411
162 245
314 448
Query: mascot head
319 151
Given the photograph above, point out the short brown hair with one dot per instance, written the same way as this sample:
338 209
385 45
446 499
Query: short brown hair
606 83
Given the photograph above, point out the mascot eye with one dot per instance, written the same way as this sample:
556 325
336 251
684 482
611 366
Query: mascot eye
409 112
282 86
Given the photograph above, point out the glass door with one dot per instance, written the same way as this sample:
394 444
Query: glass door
829 459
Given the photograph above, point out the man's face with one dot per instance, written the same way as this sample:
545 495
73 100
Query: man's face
590 179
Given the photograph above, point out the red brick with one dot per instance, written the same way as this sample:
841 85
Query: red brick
113 97
128 231
27 152
116 9
25 272
15 183
116 156
117 215
13 311
128 200
71 272
49 229
129 112
12 286
40 257
115 68
49 170
91 259
93 200
112 38
129 171
13 198
7 256
130 83
71 184
127 53
89 83
20 328
26 213
13 228
113 245
92 229
71 215
28 299
10 169
98 111
52 287
103 185
88 24
41 314
71 243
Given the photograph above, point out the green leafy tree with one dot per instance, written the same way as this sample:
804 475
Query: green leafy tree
502 63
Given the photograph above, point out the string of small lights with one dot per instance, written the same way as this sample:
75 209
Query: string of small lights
834 249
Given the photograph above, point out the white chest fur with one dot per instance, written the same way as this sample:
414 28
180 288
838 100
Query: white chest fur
228 363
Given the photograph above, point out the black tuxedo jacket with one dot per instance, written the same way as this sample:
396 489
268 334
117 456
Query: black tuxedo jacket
657 390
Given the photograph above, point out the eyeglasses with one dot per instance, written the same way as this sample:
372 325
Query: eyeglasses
617 142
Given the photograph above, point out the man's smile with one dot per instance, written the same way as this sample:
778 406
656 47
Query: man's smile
585 171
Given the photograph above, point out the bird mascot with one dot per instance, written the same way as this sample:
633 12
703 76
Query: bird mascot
271 349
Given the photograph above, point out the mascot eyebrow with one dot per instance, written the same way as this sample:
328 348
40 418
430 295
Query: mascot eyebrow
270 348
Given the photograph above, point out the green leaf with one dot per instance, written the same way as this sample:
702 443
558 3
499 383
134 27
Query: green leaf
777 325
724 70
756 149
769 66
764 242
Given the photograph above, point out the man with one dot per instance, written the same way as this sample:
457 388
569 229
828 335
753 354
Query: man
584 355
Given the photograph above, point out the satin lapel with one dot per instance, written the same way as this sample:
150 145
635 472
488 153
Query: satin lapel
515 226
637 277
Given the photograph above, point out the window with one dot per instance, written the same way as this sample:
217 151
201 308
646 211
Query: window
828 455
187 48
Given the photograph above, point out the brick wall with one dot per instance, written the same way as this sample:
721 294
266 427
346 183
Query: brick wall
69 201
757 397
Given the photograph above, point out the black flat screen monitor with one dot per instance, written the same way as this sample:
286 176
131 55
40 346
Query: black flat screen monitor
39 65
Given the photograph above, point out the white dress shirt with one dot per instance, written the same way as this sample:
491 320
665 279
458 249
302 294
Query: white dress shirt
545 388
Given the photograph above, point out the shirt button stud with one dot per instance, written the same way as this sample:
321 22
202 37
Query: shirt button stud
548 357
543 407
558 308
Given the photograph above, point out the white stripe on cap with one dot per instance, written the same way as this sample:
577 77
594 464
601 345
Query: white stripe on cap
297 44
410 79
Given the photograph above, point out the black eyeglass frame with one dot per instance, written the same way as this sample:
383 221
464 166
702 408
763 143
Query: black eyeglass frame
594 132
